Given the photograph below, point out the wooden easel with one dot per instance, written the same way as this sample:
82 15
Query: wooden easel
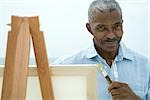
17 59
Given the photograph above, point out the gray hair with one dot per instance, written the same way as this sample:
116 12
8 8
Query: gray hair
103 6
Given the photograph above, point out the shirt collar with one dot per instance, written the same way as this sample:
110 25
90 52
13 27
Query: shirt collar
91 51
124 52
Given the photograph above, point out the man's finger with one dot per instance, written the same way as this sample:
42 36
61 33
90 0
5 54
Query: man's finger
114 92
116 97
118 91
115 85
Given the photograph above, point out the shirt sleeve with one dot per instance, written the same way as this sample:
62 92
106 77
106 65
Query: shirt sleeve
148 93
60 60
57 61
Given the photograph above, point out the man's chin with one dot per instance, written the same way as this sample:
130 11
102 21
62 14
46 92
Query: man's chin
112 48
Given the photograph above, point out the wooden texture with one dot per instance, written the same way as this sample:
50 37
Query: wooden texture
41 59
17 60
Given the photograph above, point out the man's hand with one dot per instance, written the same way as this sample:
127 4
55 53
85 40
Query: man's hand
121 91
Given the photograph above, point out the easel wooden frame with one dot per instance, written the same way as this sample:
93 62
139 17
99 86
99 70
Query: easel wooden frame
90 71
17 59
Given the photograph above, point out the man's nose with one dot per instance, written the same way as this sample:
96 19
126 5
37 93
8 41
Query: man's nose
110 34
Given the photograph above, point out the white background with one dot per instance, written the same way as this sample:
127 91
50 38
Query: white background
63 22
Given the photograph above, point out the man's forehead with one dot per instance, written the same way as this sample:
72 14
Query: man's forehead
105 17
107 24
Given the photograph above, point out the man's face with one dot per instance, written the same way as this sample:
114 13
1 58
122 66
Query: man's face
106 29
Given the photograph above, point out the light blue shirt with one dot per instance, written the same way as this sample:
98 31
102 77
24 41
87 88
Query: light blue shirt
128 67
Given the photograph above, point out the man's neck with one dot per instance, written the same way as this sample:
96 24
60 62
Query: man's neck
108 56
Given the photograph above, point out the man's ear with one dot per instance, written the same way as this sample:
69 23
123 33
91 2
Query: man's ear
89 28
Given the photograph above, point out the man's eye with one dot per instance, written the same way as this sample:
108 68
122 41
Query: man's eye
117 26
101 28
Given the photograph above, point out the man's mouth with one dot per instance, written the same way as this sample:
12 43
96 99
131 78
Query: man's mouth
111 43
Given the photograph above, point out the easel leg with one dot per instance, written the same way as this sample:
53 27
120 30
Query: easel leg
17 60
41 60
